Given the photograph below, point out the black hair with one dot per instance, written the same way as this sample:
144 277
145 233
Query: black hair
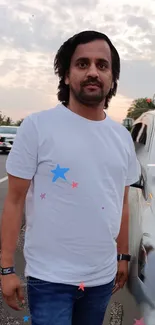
63 59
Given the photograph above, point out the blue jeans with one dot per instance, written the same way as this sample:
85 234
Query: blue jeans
61 304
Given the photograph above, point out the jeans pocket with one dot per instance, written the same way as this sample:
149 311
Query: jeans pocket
31 280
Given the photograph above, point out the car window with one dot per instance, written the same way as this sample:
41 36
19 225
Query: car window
10 130
139 133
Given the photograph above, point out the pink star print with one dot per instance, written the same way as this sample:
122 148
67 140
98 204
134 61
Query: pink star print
139 322
81 287
42 195
74 184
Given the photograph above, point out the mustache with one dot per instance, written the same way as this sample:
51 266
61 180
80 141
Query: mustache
91 81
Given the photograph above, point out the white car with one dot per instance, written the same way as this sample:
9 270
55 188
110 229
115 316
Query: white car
7 135
137 299
142 214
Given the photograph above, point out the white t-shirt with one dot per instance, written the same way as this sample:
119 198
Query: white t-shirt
79 169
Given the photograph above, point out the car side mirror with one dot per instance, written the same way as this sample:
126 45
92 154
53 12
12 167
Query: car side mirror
139 184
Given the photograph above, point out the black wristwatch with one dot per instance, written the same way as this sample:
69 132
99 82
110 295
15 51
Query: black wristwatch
7 270
123 257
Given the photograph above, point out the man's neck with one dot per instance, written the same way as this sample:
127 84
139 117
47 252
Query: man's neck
91 113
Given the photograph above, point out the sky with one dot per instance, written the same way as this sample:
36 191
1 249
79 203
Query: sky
31 32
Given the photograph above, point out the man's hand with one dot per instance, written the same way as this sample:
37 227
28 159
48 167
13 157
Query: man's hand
122 276
12 291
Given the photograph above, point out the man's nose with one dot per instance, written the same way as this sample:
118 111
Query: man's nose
92 71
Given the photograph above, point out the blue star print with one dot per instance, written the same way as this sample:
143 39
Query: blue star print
59 172
26 318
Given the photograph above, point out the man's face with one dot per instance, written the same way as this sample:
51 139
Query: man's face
90 74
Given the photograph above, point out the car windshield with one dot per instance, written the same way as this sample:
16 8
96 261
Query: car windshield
9 130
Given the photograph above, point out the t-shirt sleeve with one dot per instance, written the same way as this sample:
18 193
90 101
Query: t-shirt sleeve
134 169
22 159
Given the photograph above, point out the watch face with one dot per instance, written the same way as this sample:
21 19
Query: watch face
7 270
123 257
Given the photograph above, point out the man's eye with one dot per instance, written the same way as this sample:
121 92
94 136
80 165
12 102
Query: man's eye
82 65
102 66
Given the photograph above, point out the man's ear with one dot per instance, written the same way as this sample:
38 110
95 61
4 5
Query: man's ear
67 79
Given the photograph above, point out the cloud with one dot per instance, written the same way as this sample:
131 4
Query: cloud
45 27
23 101
141 22
29 31
137 79
32 31
89 4
129 9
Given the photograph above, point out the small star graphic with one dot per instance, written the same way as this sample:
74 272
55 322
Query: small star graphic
74 184
42 195
26 318
139 322
59 172
81 287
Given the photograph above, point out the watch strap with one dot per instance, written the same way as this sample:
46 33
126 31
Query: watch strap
123 257
7 270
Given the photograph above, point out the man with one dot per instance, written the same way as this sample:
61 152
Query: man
74 166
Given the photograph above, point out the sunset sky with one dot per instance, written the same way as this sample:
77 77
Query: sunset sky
31 32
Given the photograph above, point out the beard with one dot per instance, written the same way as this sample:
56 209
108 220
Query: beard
89 98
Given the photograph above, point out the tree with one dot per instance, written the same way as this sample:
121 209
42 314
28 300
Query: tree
140 106
18 123
8 121
1 118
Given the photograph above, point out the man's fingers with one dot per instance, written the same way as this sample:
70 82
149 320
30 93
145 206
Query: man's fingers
119 283
20 295
12 291
117 277
122 283
116 285
122 280
116 288
12 302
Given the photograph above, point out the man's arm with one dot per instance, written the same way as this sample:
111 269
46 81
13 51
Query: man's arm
12 218
123 245
133 174
123 237
21 167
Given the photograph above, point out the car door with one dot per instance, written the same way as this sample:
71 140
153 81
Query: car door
123 307
126 304
143 134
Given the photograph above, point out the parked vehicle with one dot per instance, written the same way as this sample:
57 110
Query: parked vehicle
128 123
7 135
142 231
133 299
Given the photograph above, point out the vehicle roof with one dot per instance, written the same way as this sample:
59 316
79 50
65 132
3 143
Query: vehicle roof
9 126
151 112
